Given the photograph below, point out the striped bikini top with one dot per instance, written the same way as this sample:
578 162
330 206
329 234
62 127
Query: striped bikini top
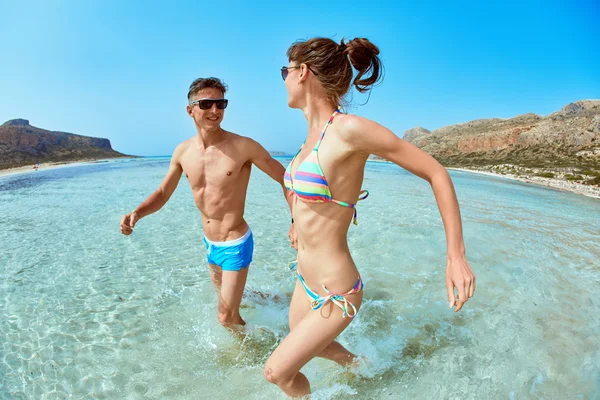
309 182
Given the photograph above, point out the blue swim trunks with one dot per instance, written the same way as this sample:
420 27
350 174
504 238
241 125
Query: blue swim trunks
231 255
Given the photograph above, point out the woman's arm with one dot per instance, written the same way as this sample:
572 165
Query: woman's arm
369 137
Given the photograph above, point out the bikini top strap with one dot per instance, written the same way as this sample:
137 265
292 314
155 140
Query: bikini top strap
336 112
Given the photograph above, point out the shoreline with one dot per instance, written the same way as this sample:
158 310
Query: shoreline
49 165
556 184
552 183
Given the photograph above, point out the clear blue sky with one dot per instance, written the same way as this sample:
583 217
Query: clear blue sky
121 69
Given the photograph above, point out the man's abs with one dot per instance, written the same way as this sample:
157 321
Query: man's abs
229 227
222 210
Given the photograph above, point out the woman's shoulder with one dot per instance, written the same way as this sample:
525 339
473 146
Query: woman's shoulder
351 125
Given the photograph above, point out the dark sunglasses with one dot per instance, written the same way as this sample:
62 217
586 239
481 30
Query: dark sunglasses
285 72
206 104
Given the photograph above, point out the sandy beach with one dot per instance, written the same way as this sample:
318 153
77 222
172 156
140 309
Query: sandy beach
558 184
45 166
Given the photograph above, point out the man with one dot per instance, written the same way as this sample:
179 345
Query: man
217 164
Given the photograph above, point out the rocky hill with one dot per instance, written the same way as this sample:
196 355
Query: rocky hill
23 144
567 138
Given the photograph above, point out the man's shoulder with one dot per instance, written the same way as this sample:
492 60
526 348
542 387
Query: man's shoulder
244 143
182 147
246 146
239 139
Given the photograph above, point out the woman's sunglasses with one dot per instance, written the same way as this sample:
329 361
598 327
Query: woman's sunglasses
206 104
285 72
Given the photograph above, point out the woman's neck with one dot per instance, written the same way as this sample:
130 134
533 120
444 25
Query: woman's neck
317 112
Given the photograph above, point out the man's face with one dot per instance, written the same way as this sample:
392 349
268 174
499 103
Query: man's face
210 118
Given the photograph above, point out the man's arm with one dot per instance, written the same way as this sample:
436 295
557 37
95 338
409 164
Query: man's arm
266 163
159 198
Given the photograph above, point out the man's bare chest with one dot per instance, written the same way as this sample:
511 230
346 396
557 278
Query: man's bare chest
215 171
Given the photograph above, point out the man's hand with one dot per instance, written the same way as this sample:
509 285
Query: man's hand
293 237
128 221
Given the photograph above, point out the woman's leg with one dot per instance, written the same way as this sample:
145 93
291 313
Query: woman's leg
299 306
310 336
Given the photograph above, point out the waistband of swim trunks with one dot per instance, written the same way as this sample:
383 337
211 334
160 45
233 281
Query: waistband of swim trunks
229 243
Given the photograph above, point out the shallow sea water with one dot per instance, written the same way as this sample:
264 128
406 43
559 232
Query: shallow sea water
86 313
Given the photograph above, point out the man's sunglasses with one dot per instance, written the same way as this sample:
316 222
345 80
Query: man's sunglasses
285 72
206 104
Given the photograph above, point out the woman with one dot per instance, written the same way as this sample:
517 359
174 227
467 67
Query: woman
325 178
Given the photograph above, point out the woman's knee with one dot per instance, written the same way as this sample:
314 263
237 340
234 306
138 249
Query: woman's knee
275 375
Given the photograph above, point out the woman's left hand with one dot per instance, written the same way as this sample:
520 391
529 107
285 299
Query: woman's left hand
460 275
293 237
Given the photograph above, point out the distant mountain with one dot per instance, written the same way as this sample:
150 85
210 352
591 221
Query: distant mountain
278 153
567 138
23 144
415 133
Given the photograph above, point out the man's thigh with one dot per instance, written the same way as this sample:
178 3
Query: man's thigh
232 288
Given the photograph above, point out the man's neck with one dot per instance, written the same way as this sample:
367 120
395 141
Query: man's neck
207 138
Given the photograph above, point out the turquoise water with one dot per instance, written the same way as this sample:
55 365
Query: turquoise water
88 313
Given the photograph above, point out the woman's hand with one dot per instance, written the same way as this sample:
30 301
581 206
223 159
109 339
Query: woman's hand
460 275
293 237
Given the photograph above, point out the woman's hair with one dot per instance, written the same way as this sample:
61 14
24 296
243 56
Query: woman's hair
332 64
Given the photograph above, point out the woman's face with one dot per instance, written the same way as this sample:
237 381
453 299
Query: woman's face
292 83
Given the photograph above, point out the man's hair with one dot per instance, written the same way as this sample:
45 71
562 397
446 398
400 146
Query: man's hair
204 83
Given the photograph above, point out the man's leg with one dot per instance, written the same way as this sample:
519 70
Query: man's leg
215 276
230 288
230 278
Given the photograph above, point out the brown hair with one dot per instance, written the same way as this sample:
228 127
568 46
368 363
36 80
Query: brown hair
204 83
332 64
